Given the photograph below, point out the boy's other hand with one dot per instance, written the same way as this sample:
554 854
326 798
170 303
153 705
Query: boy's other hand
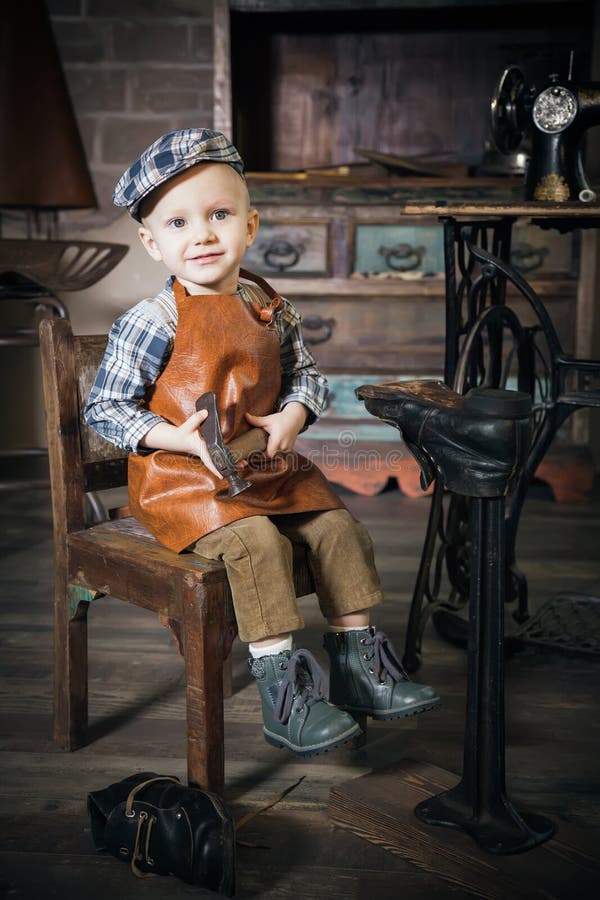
184 438
282 427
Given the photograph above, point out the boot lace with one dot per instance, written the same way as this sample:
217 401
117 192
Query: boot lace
304 679
385 660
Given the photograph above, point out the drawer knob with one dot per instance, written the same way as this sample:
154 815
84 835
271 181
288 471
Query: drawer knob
402 257
281 254
525 257
315 323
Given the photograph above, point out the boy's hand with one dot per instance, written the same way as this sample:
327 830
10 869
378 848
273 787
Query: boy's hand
282 427
184 438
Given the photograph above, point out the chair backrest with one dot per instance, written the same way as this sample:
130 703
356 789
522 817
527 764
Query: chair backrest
80 460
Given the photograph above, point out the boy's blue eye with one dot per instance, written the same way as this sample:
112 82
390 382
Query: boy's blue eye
220 214
177 223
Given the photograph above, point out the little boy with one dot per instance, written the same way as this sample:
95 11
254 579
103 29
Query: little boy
208 331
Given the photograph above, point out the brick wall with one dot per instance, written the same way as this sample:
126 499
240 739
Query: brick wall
135 69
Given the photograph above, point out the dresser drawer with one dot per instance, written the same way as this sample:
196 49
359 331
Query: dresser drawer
539 251
301 248
395 250
375 333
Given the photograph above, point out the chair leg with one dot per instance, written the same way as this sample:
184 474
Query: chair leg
228 677
203 633
70 667
230 636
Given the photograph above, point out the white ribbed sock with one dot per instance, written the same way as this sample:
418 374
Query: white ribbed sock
338 628
256 651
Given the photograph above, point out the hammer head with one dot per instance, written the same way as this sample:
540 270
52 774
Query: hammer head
213 438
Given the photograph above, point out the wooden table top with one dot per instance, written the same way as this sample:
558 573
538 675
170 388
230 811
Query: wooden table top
533 208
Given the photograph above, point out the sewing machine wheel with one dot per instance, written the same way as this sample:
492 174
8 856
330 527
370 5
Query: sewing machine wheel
509 110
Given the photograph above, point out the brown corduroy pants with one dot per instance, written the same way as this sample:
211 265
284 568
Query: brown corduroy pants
257 553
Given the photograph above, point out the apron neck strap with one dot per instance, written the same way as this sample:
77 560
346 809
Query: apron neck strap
181 293
267 288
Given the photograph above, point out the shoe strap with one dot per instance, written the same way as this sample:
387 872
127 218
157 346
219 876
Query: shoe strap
304 678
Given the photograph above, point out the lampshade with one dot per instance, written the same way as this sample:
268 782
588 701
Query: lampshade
42 160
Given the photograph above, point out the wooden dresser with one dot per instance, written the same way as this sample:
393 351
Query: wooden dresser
369 282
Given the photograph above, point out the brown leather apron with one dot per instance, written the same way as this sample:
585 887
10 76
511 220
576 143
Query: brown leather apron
227 345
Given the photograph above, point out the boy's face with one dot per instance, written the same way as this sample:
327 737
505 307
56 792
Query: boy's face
199 224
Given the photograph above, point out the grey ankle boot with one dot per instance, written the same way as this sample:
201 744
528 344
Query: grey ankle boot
295 712
368 679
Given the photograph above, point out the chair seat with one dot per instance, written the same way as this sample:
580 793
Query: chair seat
104 557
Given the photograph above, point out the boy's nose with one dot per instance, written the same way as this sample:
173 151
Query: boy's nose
204 233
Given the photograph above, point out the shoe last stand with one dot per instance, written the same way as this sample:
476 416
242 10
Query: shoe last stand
478 804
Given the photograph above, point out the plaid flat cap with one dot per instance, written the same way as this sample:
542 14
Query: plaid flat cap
168 156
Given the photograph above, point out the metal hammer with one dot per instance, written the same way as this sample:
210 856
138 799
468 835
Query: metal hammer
225 456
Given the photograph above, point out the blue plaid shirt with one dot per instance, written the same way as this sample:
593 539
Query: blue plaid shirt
139 346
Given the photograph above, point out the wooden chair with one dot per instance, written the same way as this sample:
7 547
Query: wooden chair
120 558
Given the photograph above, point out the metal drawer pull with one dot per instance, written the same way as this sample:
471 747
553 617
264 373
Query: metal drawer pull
314 323
281 254
525 257
410 257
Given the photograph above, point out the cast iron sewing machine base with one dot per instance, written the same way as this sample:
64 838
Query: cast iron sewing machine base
485 341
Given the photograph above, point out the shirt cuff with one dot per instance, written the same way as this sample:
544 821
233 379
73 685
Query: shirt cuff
145 423
314 409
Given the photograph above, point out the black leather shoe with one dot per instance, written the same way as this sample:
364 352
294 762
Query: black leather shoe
474 443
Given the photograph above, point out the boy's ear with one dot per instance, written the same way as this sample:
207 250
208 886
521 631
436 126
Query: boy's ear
147 239
252 227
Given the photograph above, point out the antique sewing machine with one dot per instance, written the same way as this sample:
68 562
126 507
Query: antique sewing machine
550 117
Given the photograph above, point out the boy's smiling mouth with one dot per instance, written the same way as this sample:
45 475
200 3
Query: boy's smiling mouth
205 257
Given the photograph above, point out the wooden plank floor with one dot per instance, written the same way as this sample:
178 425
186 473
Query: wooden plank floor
137 723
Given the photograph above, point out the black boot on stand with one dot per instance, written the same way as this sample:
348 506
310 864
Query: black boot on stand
474 443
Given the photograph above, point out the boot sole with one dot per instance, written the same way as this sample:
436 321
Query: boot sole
315 749
392 714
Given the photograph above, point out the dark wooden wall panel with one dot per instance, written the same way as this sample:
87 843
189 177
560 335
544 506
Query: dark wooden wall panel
411 94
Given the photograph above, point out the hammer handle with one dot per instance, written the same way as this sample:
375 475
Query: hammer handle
252 441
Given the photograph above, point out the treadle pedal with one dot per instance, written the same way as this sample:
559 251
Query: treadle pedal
454 628
568 621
